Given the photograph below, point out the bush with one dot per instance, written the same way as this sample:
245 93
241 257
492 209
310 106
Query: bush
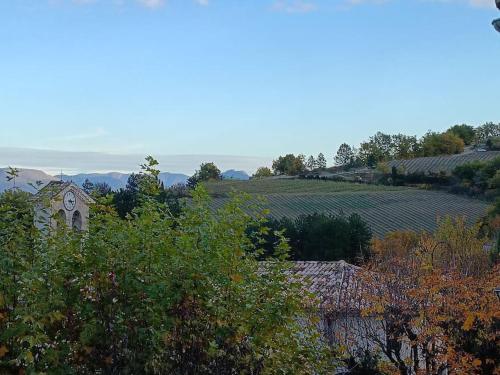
150 294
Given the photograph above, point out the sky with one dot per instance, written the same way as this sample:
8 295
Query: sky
236 80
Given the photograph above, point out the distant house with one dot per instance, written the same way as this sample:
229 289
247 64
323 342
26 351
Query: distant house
62 202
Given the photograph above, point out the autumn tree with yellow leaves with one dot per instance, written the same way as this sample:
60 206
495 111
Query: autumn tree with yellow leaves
431 298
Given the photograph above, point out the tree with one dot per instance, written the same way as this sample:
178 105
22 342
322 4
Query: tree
405 147
101 189
345 155
321 161
311 163
87 186
486 131
430 301
465 132
289 165
153 294
378 148
321 237
435 144
207 172
493 144
262 172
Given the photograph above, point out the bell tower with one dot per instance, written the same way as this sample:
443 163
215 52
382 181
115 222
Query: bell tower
62 203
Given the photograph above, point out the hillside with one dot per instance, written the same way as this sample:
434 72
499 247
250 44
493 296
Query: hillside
436 164
384 208
24 179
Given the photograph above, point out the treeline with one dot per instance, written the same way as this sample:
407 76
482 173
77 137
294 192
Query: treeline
320 237
125 200
383 147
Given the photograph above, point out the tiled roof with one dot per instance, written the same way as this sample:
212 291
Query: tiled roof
333 283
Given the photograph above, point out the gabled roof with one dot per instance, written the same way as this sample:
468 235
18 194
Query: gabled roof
54 188
333 283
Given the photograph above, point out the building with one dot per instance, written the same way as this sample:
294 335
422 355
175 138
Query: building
62 202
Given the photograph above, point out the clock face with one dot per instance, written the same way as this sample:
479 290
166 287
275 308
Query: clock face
69 200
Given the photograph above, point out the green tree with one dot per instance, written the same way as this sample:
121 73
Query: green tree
289 165
320 237
345 155
466 132
435 144
321 161
311 163
262 172
405 147
87 186
487 131
207 172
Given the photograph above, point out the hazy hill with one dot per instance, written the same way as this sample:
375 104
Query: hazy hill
25 177
119 180
114 179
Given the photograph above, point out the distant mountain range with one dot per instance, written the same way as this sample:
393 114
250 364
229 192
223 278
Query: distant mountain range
114 179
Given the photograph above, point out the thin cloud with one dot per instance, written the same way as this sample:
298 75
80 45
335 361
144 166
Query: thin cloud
294 6
202 2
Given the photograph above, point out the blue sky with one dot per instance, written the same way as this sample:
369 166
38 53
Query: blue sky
255 78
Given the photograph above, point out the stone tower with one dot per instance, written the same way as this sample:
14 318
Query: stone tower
62 202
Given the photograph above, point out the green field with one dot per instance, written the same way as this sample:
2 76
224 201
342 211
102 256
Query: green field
384 208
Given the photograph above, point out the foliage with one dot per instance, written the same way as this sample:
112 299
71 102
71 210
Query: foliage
479 177
207 172
141 186
493 144
262 172
434 144
345 155
151 294
432 298
465 132
322 237
87 186
487 131
311 163
289 164
321 161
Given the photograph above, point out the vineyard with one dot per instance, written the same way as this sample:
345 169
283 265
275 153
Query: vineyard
437 164
290 186
385 209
